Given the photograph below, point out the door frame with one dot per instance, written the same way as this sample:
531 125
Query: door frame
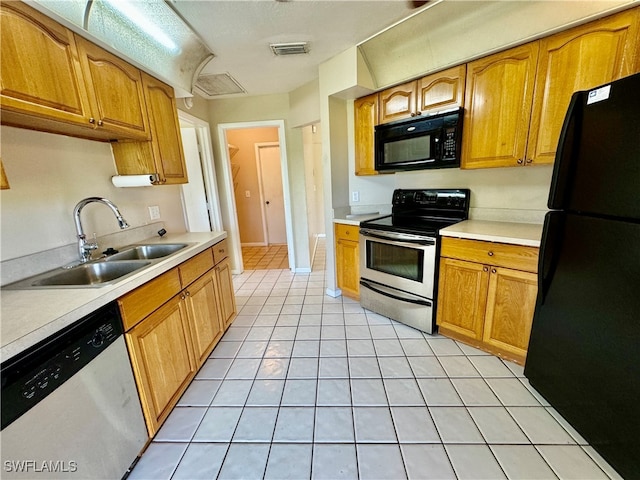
258 146
227 188
203 134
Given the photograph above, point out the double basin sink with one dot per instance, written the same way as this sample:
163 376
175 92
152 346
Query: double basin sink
101 272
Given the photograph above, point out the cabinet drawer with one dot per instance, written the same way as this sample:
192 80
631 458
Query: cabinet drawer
518 257
347 232
142 301
195 267
220 251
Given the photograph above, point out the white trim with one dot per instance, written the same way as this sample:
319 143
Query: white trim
334 293
227 179
302 270
208 168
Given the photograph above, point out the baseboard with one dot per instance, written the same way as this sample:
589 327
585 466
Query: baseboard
302 270
333 293
254 244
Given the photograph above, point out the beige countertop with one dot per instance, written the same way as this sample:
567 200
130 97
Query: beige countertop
355 219
528 234
28 316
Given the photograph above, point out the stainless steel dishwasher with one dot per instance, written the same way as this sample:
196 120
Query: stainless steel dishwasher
70 408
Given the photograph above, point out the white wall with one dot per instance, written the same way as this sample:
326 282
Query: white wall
49 174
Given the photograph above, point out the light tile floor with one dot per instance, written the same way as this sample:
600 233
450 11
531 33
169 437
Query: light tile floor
304 386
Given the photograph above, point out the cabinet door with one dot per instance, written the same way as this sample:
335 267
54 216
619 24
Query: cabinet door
510 306
365 120
398 102
40 74
118 96
462 298
226 299
578 59
348 267
499 92
165 131
205 322
162 359
442 90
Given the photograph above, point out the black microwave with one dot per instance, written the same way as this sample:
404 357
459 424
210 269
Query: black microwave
433 141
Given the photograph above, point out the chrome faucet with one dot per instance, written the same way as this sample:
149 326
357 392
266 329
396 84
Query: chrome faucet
85 248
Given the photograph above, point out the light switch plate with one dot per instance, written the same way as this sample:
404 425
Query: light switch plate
154 212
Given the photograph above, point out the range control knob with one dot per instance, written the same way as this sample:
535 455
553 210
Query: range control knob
98 339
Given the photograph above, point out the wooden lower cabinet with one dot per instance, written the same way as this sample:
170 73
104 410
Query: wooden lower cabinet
169 340
162 359
227 299
488 306
205 319
348 259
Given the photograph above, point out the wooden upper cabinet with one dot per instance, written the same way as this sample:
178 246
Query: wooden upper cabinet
118 94
165 130
397 103
578 59
365 120
442 90
163 155
498 98
40 75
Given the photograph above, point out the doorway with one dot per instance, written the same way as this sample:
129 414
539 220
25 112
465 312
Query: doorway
244 150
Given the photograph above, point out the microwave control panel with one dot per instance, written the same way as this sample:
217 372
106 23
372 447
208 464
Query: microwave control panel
449 149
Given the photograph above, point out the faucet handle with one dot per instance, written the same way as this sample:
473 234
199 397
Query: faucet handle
89 246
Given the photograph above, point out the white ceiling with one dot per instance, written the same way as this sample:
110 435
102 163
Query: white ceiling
239 32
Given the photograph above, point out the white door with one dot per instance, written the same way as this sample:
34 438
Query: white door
194 197
271 193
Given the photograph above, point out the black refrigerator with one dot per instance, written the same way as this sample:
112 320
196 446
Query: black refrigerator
584 351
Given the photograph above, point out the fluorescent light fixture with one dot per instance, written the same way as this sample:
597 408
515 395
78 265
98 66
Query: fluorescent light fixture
129 10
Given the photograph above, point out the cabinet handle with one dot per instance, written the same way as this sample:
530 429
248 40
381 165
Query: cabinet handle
529 161
490 253
520 161
493 270
485 269
92 120
182 297
221 250
188 294
418 112
100 123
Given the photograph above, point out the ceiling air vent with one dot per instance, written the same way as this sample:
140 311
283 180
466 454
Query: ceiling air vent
214 85
296 48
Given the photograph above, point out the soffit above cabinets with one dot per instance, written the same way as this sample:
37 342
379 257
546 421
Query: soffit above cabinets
448 33
149 34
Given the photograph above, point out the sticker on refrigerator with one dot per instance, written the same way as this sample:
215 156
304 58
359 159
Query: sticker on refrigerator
599 94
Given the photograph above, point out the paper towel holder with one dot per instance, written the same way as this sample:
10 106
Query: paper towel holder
145 180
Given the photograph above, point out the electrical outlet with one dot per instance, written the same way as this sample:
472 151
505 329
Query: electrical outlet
247 193
355 196
154 212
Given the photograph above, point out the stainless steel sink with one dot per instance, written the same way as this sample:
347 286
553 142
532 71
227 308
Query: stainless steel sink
96 274
103 271
147 252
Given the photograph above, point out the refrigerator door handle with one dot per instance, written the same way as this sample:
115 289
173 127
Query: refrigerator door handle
560 191
549 251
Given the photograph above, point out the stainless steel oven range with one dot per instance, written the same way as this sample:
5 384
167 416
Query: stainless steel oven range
399 253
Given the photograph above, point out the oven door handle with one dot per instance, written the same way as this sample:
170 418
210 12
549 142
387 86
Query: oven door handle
398 237
425 303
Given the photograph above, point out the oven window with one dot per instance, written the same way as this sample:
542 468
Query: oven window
408 150
394 260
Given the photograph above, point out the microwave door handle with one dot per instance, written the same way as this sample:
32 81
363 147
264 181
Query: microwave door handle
390 295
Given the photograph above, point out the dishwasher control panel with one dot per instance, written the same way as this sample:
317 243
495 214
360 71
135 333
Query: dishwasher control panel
32 375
